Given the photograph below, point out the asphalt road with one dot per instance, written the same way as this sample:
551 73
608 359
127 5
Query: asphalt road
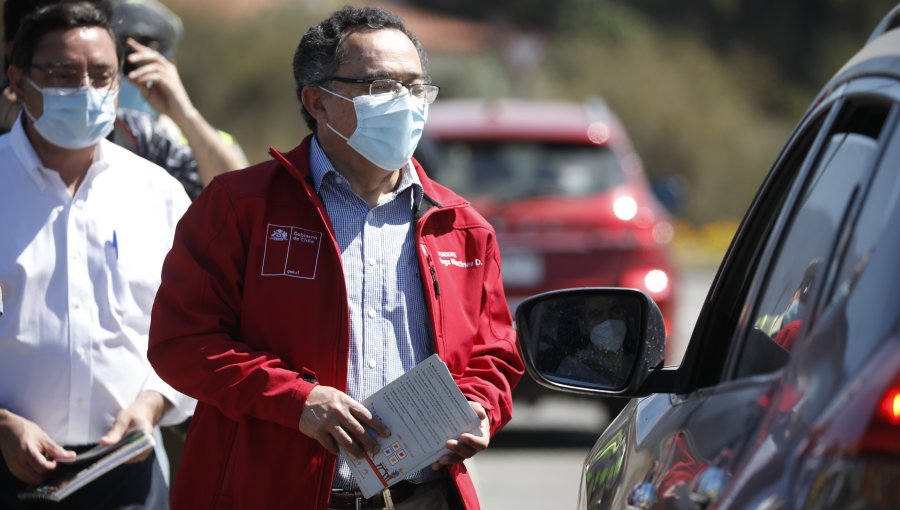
536 461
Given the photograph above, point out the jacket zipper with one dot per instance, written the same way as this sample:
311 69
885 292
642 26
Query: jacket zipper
432 270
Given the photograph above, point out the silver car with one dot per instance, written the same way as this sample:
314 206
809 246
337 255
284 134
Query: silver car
789 392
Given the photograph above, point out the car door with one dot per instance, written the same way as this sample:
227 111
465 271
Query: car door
840 320
676 450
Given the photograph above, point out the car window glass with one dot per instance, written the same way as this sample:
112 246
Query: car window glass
857 324
794 278
728 298
511 170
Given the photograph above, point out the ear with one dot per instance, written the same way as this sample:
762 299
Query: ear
312 97
16 81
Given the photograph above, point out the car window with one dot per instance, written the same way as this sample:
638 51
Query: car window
874 224
726 304
794 278
518 169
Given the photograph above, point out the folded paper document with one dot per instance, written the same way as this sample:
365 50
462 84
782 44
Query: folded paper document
88 466
423 408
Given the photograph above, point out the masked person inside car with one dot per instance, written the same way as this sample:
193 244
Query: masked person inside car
300 286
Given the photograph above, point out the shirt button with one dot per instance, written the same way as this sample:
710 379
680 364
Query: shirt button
371 363
371 313
76 306
79 402
80 351
371 261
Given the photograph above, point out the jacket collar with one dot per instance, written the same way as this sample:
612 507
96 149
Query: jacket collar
296 161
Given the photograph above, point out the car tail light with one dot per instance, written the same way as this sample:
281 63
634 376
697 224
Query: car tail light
890 406
656 281
849 471
883 434
653 281
625 208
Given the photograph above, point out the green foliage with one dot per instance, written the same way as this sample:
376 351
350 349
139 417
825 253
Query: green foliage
240 77
687 113
708 91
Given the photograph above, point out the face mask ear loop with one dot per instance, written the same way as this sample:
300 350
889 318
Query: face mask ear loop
335 131
24 107
333 93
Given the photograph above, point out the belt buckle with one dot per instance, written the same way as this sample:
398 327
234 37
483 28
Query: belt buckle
358 502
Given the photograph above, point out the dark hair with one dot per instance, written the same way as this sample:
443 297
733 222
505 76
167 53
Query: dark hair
320 50
59 16
16 10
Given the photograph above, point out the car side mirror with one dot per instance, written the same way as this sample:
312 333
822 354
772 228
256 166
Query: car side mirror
591 340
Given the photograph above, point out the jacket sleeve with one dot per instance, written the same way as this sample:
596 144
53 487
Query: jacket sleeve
195 344
494 367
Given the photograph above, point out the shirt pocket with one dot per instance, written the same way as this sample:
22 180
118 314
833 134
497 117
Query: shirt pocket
133 262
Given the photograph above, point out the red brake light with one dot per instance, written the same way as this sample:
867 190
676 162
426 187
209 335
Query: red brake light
884 429
889 410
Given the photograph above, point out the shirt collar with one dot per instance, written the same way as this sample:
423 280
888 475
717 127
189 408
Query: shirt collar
320 166
31 163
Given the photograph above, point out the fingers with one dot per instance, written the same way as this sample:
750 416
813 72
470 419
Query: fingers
467 446
338 422
28 451
57 452
369 420
32 466
469 443
117 431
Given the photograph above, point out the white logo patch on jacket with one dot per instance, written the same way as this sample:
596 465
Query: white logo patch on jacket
291 251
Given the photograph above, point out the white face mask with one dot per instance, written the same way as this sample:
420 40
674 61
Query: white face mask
609 335
388 128
75 118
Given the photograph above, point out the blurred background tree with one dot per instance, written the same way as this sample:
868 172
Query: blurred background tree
709 90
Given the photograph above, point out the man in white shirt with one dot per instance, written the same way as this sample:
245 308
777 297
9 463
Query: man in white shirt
86 227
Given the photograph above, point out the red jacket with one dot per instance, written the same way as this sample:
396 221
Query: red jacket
246 326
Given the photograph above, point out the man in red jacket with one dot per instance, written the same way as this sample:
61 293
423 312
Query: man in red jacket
300 286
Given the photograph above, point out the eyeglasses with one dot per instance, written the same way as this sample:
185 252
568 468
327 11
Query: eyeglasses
63 77
422 92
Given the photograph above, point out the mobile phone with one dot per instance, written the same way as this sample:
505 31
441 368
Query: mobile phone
127 66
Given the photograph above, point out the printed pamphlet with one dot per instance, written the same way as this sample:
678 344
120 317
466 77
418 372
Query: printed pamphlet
88 466
423 408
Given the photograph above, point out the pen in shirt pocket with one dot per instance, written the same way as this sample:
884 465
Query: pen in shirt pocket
115 244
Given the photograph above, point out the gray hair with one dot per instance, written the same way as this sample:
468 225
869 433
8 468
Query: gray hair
320 51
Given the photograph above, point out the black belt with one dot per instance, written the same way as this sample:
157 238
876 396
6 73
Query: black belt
354 500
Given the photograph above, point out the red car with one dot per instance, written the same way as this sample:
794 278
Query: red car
565 190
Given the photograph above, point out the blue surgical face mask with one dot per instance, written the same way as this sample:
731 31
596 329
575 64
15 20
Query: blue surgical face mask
388 128
609 335
130 98
75 118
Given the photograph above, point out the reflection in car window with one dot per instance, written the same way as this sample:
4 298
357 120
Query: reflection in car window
796 274
510 170
874 224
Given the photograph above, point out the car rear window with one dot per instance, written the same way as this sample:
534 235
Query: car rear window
509 170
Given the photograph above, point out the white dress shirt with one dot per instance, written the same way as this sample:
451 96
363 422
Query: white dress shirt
78 276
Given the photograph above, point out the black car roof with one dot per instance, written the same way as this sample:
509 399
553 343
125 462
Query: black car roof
879 57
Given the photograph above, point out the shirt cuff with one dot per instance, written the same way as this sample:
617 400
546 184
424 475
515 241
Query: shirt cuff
182 406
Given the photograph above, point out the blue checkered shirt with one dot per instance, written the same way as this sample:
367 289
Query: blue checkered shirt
389 324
